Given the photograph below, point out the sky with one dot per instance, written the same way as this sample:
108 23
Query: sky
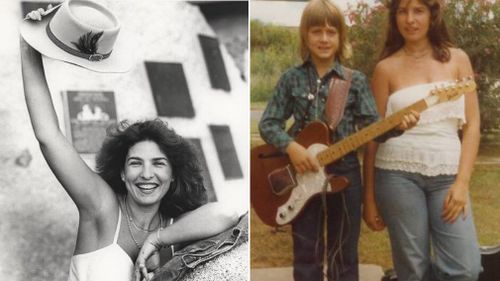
287 13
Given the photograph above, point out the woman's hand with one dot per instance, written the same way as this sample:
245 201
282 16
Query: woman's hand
455 202
371 216
148 260
301 159
409 121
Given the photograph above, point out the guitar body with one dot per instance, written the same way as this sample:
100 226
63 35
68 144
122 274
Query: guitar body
278 195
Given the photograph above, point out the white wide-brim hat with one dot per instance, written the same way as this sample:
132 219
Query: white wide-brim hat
81 32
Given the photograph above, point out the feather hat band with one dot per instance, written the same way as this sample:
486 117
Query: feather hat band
81 32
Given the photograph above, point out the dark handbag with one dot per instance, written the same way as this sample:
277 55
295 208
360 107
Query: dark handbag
389 275
490 260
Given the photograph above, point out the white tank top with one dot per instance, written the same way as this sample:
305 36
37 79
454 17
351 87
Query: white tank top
430 148
110 263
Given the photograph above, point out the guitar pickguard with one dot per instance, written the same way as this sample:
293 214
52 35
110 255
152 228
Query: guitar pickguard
307 185
282 180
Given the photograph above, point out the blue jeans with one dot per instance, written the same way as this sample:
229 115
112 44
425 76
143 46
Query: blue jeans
411 205
342 224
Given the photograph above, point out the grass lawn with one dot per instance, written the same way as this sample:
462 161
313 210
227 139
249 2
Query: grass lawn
271 248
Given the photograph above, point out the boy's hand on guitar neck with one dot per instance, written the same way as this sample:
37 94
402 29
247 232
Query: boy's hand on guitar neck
301 159
409 121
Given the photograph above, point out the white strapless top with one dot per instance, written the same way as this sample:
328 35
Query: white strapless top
430 148
110 263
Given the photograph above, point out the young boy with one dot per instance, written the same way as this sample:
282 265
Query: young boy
302 92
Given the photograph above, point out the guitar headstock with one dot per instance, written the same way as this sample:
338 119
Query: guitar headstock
455 90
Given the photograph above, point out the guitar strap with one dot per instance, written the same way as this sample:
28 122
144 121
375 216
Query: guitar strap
337 97
338 90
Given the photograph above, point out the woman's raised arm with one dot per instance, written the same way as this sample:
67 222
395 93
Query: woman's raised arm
82 184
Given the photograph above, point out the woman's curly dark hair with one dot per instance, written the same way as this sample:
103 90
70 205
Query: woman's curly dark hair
186 193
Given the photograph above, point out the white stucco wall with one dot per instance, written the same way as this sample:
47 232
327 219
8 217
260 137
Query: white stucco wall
37 219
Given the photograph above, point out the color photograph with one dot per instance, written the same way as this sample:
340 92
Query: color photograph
375 140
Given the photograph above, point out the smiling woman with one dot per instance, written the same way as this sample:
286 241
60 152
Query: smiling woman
148 160
144 170
147 173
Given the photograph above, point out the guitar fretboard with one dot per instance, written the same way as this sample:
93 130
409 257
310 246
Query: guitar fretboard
354 141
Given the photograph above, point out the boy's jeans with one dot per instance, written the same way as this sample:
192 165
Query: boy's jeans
342 224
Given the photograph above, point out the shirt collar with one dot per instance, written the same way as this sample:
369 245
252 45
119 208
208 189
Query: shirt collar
335 68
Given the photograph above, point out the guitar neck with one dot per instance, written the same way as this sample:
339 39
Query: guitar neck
354 141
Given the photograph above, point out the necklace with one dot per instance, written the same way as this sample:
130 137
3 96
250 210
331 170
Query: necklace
132 235
131 219
416 56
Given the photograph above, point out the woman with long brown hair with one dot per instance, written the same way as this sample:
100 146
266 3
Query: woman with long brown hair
419 187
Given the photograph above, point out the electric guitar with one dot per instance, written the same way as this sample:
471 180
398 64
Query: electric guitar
278 193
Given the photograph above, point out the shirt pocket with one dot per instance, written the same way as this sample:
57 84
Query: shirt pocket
300 103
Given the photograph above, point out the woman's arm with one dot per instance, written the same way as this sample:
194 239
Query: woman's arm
380 89
205 221
83 185
458 195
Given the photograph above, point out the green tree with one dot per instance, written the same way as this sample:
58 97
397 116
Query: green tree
475 27
273 49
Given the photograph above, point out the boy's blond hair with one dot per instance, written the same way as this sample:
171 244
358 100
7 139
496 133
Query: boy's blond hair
319 13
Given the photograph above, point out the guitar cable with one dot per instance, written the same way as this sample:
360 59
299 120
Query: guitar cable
345 227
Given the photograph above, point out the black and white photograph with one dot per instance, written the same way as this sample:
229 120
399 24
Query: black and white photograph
124 151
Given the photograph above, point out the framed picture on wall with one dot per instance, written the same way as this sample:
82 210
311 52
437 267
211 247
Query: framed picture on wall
87 115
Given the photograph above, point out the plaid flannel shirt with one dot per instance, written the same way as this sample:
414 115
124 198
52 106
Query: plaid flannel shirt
290 99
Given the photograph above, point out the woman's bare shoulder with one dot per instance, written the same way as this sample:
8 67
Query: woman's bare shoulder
385 65
461 62
458 55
